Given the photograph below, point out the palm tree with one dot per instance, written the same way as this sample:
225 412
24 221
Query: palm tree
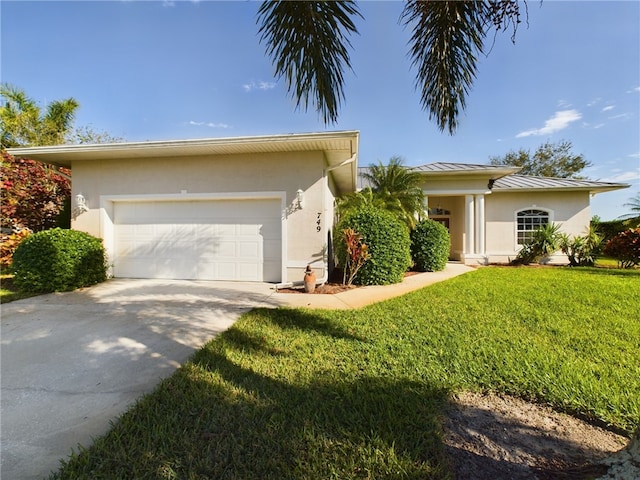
633 218
392 187
308 43
364 198
23 124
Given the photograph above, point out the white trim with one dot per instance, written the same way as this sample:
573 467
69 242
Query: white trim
469 225
451 193
480 224
518 246
107 208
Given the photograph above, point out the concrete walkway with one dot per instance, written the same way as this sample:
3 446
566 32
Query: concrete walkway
363 296
72 362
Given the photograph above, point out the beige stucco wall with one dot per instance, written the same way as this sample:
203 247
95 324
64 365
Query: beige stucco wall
282 172
568 209
449 184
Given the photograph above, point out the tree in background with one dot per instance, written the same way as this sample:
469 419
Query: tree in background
632 219
24 124
308 43
549 160
392 187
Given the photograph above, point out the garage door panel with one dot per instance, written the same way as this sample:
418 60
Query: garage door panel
208 240
249 250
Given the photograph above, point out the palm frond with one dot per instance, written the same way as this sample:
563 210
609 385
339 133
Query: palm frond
446 38
308 43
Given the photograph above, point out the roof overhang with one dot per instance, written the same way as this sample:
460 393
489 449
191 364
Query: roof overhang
524 183
336 147
439 169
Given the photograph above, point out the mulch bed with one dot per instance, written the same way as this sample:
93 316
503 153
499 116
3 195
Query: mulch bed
333 286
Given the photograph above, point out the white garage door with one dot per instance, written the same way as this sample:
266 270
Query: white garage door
203 240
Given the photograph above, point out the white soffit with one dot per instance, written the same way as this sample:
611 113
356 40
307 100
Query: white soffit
336 146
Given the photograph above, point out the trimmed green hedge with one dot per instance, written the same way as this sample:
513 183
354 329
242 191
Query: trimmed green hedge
430 245
58 260
388 243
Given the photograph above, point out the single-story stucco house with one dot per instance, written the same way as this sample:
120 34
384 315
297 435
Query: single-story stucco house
262 208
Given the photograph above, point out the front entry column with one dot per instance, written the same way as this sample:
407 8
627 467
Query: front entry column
479 227
469 225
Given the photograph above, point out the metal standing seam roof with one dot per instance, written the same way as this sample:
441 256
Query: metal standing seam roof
461 168
526 182
506 178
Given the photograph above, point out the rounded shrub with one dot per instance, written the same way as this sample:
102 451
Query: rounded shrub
430 245
388 244
58 260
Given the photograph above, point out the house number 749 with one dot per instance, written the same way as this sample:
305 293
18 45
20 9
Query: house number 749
319 222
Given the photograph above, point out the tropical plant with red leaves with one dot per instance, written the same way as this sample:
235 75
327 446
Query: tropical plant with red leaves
33 194
357 253
625 247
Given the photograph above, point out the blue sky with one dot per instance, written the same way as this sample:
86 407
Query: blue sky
159 70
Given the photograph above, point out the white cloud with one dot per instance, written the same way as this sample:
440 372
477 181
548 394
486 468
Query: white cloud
623 177
248 87
559 121
634 90
621 116
608 108
209 124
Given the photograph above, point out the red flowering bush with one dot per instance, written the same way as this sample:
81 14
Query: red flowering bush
33 194
625 247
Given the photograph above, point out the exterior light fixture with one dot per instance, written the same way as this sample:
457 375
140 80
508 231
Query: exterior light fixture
81 203
300 198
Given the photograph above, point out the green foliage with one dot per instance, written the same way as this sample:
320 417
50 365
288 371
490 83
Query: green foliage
549 160
608 230
632 220
545 241
24 124
59 260
625 247
582 251
392 187
430 245
308 43
388 243
34 194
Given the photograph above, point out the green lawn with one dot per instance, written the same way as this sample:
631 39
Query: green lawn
301 394
8 293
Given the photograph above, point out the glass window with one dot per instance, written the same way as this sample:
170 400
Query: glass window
528 222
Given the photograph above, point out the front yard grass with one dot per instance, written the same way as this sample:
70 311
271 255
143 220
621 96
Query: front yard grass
302 394
8 292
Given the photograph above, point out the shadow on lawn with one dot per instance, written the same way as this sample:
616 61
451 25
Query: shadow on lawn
217 418
259 427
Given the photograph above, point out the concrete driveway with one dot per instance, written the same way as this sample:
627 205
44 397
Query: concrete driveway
72 362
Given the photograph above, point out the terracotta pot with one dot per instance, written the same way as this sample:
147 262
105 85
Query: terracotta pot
309 280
